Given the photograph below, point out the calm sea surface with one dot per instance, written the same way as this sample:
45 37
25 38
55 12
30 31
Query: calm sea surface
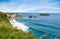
46 27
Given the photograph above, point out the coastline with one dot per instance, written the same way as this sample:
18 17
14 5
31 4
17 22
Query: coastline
19 25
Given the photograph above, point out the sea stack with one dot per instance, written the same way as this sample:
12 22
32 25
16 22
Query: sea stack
30 16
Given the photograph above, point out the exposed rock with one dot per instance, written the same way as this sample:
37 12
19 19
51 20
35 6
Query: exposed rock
35 16
30 16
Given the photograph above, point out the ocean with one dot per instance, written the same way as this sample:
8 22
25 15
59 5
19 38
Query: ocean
45 27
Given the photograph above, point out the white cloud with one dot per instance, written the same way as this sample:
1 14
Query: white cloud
45 6
12 8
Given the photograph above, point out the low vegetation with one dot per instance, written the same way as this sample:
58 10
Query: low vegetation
8 32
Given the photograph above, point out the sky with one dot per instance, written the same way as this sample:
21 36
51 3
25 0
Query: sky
34 6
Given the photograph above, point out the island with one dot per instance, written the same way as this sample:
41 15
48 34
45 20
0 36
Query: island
44 14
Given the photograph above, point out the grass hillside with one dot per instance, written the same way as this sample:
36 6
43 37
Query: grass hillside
8 32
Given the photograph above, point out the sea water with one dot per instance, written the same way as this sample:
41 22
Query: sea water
45 27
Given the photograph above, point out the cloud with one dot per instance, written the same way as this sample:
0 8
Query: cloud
47 6
11 7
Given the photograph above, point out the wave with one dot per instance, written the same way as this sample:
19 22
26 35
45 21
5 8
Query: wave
41 23
19 25
35 23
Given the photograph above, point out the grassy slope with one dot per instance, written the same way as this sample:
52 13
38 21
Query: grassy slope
8 32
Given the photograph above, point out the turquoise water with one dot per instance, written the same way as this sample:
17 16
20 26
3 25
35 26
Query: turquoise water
45 27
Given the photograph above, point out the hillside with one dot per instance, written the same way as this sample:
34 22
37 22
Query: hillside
17 15
8 32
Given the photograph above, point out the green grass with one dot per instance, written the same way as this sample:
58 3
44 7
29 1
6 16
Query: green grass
8 32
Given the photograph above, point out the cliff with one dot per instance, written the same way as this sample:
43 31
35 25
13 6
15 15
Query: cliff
8 32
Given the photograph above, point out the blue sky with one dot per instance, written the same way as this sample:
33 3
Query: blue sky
40 6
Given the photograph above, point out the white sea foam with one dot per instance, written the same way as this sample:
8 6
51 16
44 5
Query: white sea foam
19 25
